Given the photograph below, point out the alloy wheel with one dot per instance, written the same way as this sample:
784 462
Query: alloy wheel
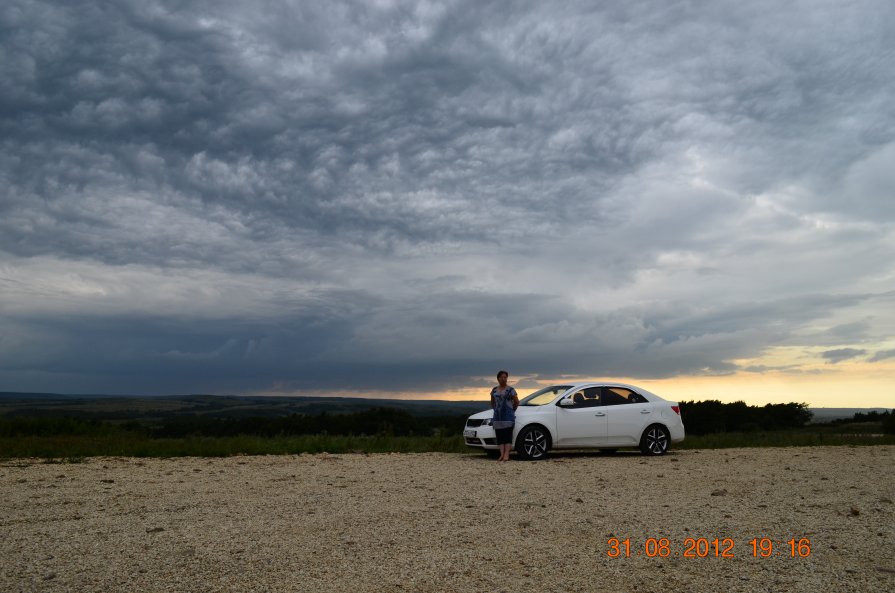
535 444
656 440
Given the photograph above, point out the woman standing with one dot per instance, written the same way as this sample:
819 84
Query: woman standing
504 401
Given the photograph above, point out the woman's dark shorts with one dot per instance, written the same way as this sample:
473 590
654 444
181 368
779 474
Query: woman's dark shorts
504 435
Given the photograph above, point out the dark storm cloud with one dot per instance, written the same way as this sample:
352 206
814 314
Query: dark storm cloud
840 354
883 355
623 189
172 351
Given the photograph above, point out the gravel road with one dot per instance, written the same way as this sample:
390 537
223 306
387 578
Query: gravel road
452 522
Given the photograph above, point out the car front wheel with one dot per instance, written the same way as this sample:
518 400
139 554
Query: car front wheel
533 443
654 440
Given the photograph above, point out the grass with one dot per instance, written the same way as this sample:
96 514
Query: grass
74 448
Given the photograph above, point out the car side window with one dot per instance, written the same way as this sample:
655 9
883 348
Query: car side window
587 398
614 396
636 398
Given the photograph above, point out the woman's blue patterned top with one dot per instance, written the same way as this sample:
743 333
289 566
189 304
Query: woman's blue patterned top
502 401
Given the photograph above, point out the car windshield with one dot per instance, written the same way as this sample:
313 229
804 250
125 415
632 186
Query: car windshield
544 396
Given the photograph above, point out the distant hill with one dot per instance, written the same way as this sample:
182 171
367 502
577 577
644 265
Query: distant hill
827 414
119 407
235 406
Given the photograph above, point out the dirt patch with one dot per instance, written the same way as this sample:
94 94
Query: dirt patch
443 522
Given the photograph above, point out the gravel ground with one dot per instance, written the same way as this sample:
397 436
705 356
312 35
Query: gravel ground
449 522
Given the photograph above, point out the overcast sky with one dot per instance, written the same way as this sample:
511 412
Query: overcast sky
403 197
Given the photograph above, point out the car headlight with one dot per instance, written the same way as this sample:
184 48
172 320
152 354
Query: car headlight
487 422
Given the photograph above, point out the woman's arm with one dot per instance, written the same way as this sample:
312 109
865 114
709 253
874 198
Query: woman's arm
515 400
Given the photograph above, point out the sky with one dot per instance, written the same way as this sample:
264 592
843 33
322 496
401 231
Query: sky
398 199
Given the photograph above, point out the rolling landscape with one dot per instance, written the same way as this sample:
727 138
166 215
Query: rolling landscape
76 426
109 406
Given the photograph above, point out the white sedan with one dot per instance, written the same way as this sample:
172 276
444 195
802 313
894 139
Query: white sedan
605 416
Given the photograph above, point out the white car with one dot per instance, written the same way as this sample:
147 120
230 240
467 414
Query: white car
605 416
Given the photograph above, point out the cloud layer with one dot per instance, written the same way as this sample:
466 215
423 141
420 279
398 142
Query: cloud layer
405 196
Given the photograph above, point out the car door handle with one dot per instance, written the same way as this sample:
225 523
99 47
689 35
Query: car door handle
645 411
600 414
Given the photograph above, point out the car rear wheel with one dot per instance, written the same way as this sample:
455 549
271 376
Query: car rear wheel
533 443
654 440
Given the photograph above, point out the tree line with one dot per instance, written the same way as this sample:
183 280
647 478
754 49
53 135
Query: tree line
711 416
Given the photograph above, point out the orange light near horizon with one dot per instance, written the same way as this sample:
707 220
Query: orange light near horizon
818 385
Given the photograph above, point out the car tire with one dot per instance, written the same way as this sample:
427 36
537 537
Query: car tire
533 443
655 440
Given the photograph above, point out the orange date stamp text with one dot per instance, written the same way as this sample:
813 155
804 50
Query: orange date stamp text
706 547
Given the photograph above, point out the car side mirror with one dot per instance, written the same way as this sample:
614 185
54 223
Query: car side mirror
566 402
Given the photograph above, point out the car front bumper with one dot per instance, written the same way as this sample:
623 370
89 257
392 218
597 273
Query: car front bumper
482 437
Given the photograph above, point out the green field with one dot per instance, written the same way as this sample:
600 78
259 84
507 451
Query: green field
76 447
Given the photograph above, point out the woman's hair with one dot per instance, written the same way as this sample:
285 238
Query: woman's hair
499 373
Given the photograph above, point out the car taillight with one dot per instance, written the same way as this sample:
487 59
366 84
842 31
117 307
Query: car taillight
677 410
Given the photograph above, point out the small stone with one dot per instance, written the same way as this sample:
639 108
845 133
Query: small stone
855 511
49 576
154 529
719 492
579 500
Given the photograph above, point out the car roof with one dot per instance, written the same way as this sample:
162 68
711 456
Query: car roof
582 385
579 385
